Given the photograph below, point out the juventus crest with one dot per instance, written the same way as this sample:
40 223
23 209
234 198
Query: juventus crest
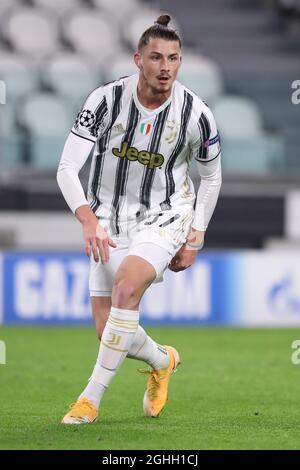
173 131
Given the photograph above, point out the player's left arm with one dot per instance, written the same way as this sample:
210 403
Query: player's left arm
207 153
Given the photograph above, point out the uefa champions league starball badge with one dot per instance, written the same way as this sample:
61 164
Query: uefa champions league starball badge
87 118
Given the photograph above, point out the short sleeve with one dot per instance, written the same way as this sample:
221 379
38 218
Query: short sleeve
91 119
205 144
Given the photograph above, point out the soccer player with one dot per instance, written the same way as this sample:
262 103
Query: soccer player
141 215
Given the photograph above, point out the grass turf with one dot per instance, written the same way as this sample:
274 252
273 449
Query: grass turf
235 389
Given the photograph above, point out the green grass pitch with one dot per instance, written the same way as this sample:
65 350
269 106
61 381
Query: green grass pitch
235 389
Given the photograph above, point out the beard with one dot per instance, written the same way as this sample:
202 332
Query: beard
161 88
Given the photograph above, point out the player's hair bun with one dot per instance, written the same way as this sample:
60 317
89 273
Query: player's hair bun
163 20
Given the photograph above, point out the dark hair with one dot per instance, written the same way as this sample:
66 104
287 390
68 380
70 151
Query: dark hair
161 30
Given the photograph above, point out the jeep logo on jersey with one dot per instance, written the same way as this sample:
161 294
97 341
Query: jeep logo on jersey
152 160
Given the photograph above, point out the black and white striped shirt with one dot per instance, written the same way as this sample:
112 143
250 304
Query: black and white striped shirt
141 157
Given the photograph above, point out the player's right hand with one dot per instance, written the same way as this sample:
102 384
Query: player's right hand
97 240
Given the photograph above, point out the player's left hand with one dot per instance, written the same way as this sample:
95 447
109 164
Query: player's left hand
183 259
187 254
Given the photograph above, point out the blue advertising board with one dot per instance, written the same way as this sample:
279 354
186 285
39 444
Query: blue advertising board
221 288
53 288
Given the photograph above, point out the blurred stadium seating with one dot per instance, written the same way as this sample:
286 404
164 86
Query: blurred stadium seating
47 135
246 147
23 27
241 61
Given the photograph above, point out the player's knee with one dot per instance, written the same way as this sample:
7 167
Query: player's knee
124 293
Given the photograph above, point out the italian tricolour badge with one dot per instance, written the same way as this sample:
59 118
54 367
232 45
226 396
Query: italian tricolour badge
145 128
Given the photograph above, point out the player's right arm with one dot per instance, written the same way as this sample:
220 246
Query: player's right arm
75 153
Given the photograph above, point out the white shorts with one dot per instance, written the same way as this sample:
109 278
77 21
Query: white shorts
156 239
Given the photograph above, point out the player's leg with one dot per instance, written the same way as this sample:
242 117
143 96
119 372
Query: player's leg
100 309
132 279
143 348
158 245
134 276
163 360
85 409
101 278
117 337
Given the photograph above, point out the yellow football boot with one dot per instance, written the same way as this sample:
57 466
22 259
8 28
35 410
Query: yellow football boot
81 412
156 395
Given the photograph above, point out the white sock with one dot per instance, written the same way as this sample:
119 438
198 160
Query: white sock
116 340
145 349
94 390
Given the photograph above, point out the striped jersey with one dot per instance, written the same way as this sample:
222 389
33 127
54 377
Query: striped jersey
141 157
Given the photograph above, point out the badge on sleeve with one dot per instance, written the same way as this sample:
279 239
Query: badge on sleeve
87 118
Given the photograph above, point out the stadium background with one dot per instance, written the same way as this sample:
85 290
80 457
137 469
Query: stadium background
242 58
